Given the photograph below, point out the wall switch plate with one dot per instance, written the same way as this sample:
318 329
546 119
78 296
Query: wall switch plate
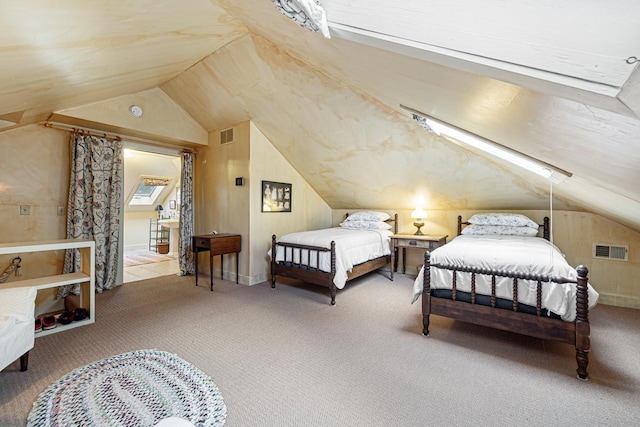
25 210
60 210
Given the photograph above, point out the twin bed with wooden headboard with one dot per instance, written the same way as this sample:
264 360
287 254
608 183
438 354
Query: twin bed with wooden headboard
332 257
496 273
501 275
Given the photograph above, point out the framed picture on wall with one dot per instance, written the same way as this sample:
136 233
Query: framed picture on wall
172 204
276 197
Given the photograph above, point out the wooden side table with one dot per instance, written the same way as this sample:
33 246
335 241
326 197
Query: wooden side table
217 244
420 241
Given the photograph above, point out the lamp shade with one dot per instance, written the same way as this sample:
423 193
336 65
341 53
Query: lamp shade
159 208
419 213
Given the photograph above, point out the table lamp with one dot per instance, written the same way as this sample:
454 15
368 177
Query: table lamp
159 209
419 214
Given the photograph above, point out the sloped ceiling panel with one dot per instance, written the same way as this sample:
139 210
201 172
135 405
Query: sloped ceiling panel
573 136
568 42
354 150
72 52
594 144
317 99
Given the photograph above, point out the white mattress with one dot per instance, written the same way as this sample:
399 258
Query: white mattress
353 247
532 255
16 323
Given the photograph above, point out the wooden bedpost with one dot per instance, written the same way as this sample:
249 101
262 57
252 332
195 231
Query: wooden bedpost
545 229
426 294
273 261
583 330
332 286
459 225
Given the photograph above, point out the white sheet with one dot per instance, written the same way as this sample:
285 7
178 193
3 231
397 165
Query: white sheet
353 247
533 255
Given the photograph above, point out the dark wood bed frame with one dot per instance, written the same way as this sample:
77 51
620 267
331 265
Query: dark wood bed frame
301 271
537 325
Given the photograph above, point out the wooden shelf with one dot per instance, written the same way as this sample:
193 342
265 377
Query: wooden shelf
86 278
60 328
49 281
44 245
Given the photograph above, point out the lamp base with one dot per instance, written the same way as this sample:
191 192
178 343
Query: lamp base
419 225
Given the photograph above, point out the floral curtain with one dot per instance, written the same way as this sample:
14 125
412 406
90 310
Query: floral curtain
185 244
308 14
94 206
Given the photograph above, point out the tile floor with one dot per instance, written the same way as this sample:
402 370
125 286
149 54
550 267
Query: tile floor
149 271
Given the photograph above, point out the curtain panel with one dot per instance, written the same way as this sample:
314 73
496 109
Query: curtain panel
94 206
185 244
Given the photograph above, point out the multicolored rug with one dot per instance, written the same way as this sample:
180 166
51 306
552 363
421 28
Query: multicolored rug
139 388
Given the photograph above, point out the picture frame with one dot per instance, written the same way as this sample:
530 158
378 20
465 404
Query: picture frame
172 204
276 196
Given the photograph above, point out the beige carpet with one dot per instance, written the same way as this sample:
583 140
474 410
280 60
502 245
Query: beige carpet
285 357
140 258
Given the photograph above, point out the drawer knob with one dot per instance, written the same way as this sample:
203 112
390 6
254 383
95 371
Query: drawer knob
413 243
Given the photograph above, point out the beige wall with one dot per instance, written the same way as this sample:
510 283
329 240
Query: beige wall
163 121
219 204
308 210
34 171
227 208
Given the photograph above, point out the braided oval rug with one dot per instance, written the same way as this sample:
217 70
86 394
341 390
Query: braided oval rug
139 388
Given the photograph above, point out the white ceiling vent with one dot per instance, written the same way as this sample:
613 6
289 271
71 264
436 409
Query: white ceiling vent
619 253
226 136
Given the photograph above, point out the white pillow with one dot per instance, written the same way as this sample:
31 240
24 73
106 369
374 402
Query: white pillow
507 230
368 216
366 225
514 220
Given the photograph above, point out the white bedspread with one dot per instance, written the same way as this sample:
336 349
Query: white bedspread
353 247
511 253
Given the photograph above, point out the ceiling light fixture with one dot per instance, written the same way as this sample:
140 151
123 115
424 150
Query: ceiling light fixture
136 111
459 135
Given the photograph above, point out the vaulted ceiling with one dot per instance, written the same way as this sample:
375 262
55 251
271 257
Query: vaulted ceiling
557 82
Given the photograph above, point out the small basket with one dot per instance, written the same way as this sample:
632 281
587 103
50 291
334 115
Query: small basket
163 247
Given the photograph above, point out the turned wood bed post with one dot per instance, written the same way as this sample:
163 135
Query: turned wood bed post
273 261
332 286
426 297
583 330
545 229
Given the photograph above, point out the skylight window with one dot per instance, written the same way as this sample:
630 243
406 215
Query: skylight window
148 190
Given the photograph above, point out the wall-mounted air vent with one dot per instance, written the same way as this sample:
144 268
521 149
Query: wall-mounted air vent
226 136
617 252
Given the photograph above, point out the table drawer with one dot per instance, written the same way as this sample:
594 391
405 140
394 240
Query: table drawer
225 245
414 243
201 242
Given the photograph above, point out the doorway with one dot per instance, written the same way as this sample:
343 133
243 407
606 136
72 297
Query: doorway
151 213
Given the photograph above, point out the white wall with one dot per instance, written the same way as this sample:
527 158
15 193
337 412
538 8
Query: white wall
136 220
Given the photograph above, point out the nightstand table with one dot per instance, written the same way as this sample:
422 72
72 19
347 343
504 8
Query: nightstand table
420 241
216 244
